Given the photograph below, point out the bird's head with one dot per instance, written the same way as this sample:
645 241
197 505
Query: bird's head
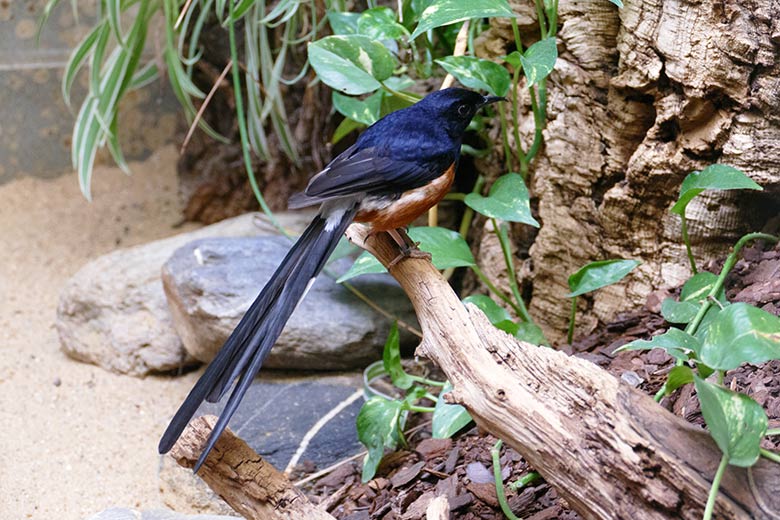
455 107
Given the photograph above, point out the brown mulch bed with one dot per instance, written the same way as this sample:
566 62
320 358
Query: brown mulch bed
461 467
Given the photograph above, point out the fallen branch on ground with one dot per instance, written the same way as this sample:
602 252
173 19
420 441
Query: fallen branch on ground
609 450
249 484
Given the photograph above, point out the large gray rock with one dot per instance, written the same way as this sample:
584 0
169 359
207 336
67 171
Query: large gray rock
210 284
113 312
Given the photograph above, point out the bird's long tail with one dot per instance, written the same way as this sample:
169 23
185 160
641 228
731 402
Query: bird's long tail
247 347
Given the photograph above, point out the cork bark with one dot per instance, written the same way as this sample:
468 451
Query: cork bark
639 98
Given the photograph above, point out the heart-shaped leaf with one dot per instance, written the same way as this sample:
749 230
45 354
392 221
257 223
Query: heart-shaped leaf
378 428
696 289
539 60
599 274
508 200
365 111
447 247
364 264
675 342
713 177
391 360
343 23
352 64
736 422
448 419
445 12
478 73
494 312
741 333
379 23
678 376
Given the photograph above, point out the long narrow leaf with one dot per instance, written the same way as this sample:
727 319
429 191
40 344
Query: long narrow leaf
77 59
113 9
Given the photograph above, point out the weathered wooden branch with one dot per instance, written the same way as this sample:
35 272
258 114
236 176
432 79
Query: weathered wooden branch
249 484
611 451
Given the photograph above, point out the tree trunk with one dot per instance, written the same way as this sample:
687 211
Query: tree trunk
611 451
640 97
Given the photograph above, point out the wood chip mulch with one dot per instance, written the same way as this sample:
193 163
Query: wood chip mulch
461 468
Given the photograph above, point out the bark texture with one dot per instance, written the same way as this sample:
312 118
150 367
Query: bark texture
611 451
250 485
639 98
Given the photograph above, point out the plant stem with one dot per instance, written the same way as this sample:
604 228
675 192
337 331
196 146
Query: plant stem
401 95
541 17
505 138
771 455
420 409
724 461
495 452
731 260
572 315
429 382
503 239
524 480
242 125
498 292
687 241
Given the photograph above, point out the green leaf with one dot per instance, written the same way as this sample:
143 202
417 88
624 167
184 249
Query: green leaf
343 23
538 61
675 342
531 333
378 428
365 111
736 422
513 59
391 360
678 376
447 247
364 264
379 23
508 200
445 12
713 177
618 3
693 292
500 318
741 333
346 127
351 64
494 312
599 274
448 419
478 73
78 57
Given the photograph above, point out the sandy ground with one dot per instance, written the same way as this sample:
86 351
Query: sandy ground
74 438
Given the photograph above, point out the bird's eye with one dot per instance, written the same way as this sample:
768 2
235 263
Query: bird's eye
464 110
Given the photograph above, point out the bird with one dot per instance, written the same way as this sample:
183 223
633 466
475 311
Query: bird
398 169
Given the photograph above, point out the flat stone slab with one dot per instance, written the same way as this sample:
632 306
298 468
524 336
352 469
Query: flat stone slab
210 284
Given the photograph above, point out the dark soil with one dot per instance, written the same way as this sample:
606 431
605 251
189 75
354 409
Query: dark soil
461 468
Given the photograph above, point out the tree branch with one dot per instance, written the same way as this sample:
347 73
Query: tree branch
610 450
249 484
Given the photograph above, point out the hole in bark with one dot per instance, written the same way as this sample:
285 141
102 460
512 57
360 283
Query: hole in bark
501 394
668 131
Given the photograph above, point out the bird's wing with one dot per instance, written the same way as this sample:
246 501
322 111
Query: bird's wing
370 170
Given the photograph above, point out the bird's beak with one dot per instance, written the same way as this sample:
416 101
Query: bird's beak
491 99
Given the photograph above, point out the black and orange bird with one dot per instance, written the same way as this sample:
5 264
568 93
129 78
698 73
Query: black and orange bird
399 168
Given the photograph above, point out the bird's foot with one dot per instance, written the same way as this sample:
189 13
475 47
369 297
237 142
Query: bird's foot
409 253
